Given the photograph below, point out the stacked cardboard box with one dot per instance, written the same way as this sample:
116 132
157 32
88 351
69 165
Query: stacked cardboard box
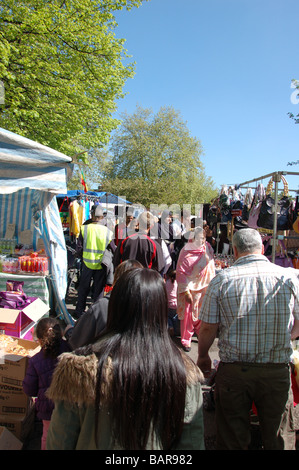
8 441
15 407
20 322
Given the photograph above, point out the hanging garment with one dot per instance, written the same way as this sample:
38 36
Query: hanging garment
76 218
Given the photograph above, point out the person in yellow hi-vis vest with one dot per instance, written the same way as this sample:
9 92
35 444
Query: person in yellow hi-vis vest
96 237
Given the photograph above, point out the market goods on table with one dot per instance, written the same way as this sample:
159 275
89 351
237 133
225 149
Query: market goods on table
18 258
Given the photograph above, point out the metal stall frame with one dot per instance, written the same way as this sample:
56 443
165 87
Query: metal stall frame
276 179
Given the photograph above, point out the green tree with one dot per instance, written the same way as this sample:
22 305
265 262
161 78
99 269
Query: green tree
93 171
62 69
155 160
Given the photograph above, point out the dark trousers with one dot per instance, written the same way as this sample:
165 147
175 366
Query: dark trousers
238 385
99 280
173 321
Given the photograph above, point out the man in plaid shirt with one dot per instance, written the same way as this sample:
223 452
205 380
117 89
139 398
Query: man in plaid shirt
253 306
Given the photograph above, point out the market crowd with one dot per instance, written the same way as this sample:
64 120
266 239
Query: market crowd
117 380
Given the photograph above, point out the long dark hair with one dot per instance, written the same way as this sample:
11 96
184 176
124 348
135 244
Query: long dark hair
147 381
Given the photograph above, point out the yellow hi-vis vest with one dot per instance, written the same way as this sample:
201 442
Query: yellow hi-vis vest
96 238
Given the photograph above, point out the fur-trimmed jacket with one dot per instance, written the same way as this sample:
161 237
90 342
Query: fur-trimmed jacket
73 421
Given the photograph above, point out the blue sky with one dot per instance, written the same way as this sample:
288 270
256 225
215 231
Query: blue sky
226 66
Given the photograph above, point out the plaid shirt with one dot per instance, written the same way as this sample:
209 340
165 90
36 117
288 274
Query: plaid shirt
255 303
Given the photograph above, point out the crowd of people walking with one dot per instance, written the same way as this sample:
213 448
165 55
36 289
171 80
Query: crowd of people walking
123 383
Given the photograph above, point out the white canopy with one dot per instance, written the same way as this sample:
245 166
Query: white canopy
31 175
25 163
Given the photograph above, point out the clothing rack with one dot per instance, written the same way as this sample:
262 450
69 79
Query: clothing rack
276 179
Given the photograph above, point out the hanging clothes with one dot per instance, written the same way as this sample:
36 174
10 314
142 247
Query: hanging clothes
76 218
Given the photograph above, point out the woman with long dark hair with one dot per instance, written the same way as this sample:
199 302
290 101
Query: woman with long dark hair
133 388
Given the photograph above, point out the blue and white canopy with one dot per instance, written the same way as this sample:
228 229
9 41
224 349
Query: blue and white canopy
102 196
30 176
25 163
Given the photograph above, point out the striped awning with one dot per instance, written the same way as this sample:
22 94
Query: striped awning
37 212
25 163
31 175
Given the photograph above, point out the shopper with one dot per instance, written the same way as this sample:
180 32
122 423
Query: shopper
195 270
165 227
96 238
254 306
93 321
142 246
40 369
133 388
125 228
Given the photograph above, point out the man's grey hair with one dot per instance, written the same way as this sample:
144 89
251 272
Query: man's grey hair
247 240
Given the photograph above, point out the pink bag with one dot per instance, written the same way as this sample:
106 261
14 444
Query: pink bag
18 298
254 213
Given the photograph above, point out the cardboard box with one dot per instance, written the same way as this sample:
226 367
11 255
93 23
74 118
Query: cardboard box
20 322
20 425
13 366
16 409
8 441
13 400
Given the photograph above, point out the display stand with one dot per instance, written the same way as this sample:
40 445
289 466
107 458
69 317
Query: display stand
276 179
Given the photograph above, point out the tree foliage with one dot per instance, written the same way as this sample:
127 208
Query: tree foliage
155 160
93 171
62 69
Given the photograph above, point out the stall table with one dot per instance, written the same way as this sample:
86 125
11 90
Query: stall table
34 285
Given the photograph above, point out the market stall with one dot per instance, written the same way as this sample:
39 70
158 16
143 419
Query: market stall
272 209
75 208
276 213
30 227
